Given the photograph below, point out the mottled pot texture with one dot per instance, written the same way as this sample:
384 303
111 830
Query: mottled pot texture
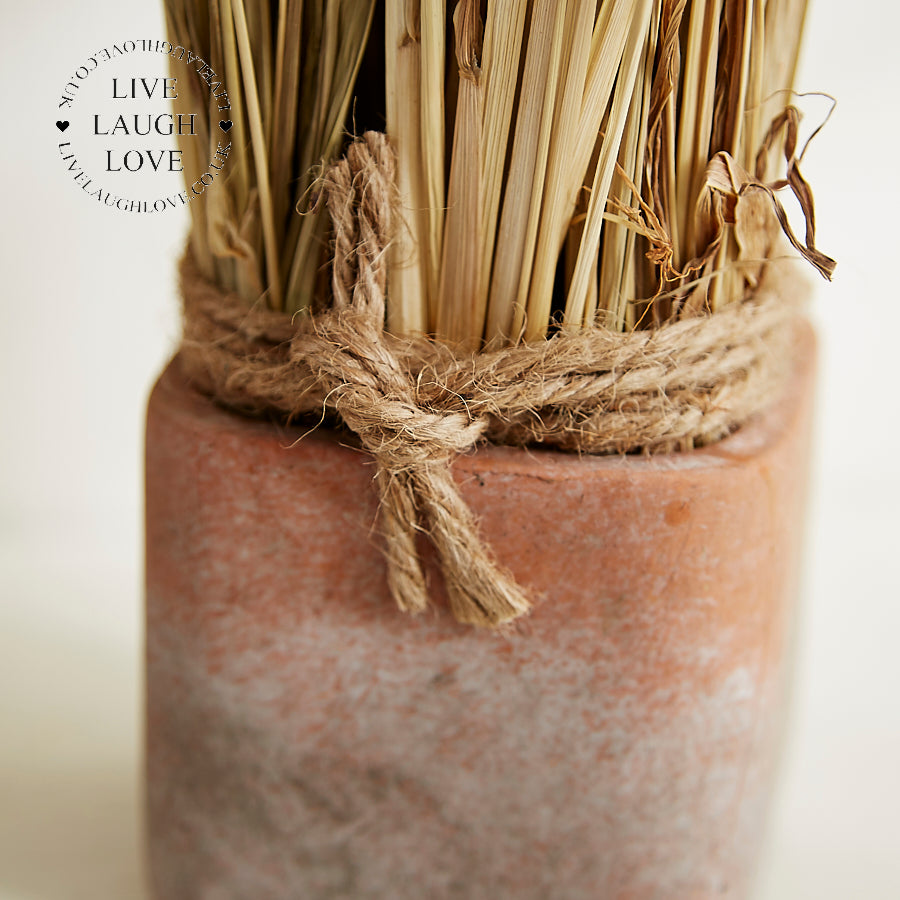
307 740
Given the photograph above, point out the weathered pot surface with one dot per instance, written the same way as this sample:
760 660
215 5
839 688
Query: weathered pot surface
307 740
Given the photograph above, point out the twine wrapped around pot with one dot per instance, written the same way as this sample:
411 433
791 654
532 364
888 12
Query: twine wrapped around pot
415 404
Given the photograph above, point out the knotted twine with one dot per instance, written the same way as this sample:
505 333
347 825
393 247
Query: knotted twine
415 404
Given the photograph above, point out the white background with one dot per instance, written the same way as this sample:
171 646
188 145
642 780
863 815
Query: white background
89 315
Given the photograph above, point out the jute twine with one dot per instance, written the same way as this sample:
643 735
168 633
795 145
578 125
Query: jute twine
415 404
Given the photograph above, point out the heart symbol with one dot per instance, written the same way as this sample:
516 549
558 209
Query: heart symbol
224 125
62 126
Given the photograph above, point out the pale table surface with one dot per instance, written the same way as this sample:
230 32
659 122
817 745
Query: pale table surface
70 684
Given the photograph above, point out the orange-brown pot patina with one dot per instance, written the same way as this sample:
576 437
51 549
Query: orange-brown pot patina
307 740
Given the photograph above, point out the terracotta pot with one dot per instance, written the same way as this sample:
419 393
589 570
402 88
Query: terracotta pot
307 740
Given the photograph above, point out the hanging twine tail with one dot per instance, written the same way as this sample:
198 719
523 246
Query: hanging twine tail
416 404
375 396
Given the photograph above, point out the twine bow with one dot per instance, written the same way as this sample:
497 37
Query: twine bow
415 404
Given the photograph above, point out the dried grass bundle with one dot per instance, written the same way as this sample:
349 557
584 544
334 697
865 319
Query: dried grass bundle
561 163
290 69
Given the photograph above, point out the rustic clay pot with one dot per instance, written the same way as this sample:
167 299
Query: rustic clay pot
307 740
